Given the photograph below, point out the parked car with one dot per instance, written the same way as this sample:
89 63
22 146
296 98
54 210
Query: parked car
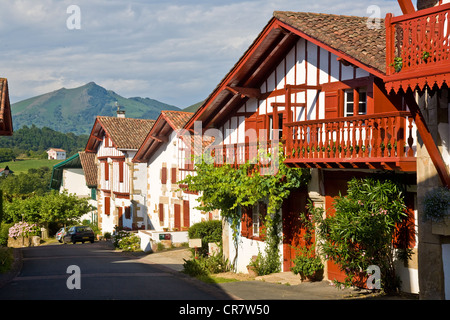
79 234
60 234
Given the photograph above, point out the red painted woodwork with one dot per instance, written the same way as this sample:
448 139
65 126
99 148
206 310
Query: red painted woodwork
107 206
427 138
360 141
161 213
186 213
177 216
163 175
173 175
406 6
409 37
293 230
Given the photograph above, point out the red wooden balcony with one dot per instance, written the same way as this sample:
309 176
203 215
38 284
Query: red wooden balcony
380 141
417 47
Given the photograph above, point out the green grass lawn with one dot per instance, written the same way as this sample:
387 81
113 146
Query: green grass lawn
19 166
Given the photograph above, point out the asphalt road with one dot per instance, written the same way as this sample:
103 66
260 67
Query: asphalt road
92 272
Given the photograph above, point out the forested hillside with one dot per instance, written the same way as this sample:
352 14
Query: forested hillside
34 142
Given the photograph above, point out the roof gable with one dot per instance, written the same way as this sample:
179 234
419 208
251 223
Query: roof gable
347 34
167 122
125 133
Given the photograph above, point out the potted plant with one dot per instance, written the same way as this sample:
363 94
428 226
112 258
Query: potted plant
437 209
308 265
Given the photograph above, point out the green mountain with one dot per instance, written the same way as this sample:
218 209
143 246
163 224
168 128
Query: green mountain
74 110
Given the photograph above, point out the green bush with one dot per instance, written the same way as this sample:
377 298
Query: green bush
127 241
208 231
4 231
204 265
6 259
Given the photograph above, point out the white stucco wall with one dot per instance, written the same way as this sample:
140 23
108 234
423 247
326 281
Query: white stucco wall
168 194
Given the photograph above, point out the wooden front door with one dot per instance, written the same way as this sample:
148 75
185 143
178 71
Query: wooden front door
293 230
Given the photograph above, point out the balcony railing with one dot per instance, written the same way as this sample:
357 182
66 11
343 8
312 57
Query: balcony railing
370 141
419 43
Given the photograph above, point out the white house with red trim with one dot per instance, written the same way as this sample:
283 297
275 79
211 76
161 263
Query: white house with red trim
121 196
164 152
316 82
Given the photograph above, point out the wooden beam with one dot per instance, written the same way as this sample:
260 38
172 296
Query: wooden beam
427 138
406 6
283 104
245 92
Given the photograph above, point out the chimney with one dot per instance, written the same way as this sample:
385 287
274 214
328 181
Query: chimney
120 113
423 4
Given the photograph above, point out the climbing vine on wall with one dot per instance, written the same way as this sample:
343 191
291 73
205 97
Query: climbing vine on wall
228 189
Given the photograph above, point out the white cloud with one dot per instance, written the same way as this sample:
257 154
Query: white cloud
175 51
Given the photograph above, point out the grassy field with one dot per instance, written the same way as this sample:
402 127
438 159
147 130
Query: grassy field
19 166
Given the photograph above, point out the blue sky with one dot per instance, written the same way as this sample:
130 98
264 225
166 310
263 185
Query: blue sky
173 51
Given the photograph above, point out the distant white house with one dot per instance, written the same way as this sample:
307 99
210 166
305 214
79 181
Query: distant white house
56 154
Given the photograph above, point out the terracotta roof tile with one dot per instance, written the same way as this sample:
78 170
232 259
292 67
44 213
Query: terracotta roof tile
126 133
176 119
89 167
348 34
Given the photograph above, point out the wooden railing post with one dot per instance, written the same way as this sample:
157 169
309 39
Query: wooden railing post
390 46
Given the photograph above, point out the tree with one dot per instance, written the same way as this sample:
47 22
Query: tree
361 232
53 207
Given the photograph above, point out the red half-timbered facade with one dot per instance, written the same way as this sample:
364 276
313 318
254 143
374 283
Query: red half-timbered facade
121 183
316 83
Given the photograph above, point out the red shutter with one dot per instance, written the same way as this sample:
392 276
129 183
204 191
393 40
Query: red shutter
161 213
332 104
107 206
186 216
246 222
121 165
106 171
173 176
164 175
177 222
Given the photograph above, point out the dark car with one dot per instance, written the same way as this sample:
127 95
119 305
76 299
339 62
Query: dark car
79 234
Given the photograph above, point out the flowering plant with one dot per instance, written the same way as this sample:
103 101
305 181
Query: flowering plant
23 229
362 230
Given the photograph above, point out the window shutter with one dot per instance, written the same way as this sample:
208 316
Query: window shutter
106 170
246 222
332 103
107 206
177 218
121 165
173 175
161 213
164 175
186 216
